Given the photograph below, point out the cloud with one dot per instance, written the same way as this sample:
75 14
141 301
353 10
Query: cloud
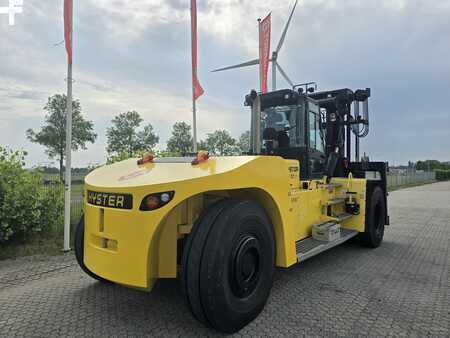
20 93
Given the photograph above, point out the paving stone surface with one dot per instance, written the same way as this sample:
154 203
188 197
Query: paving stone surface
399 289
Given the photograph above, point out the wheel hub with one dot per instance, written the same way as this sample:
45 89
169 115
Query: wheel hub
245 266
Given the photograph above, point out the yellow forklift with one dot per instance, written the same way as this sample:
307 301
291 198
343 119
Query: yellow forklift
222 224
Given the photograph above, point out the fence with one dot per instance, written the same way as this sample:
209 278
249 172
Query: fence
76 202
76 210
396 180
54 178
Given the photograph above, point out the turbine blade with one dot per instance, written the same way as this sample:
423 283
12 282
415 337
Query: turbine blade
283 36
285 75
241 65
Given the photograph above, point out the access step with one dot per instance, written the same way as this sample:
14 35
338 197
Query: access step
332 185
335 201
342 217
311 247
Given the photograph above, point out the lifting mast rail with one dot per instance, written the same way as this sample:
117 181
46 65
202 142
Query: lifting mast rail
338 104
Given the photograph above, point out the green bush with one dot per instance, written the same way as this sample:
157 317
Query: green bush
443 175
26 206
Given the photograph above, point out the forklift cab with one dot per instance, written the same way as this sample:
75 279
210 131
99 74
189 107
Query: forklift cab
288 124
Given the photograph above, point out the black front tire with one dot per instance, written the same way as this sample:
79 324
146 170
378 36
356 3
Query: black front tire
79 251
375 220
228 265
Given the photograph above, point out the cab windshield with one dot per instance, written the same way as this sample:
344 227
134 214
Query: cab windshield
285 124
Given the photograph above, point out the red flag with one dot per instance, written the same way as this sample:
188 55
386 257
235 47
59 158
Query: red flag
264 45
197 88
68 28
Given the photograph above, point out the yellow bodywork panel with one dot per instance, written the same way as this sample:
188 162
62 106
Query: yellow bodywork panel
134 248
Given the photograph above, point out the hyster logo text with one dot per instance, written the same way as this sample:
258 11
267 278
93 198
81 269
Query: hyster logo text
15 7
109 200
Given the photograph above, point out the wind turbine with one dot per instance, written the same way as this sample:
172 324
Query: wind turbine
275 64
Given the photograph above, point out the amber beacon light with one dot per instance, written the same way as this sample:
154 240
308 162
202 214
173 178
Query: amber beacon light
146 158
202 156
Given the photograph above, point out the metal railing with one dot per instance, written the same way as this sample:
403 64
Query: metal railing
396 180
76 201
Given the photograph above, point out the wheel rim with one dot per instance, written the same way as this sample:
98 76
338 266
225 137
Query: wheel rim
245 266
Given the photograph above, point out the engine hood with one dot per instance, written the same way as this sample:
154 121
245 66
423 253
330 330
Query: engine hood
128 173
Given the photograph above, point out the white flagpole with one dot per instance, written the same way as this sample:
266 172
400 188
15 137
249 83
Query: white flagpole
68 176
194 124
194 104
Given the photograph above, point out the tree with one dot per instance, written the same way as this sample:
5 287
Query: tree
202 145
221 143
244 142
430 165
124 138
181 140
53 134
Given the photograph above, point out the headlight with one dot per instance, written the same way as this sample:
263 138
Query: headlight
156 201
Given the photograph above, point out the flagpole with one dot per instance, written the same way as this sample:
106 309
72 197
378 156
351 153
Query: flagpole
197 89
194 105
68 171
194 111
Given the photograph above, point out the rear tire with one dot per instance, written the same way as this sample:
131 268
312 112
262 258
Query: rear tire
79 251
375 220
228 265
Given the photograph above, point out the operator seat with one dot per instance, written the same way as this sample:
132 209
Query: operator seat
283 139
270 136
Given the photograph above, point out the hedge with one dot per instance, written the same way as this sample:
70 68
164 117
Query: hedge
26 207
443 175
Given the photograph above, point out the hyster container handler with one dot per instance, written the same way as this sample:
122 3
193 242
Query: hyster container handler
222 224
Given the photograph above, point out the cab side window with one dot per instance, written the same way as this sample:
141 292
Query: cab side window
316 155
315 139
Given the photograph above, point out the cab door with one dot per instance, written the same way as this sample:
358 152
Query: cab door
316 151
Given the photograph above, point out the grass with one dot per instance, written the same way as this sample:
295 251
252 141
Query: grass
47 244
40 244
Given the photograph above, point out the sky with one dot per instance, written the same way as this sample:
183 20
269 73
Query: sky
135 55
